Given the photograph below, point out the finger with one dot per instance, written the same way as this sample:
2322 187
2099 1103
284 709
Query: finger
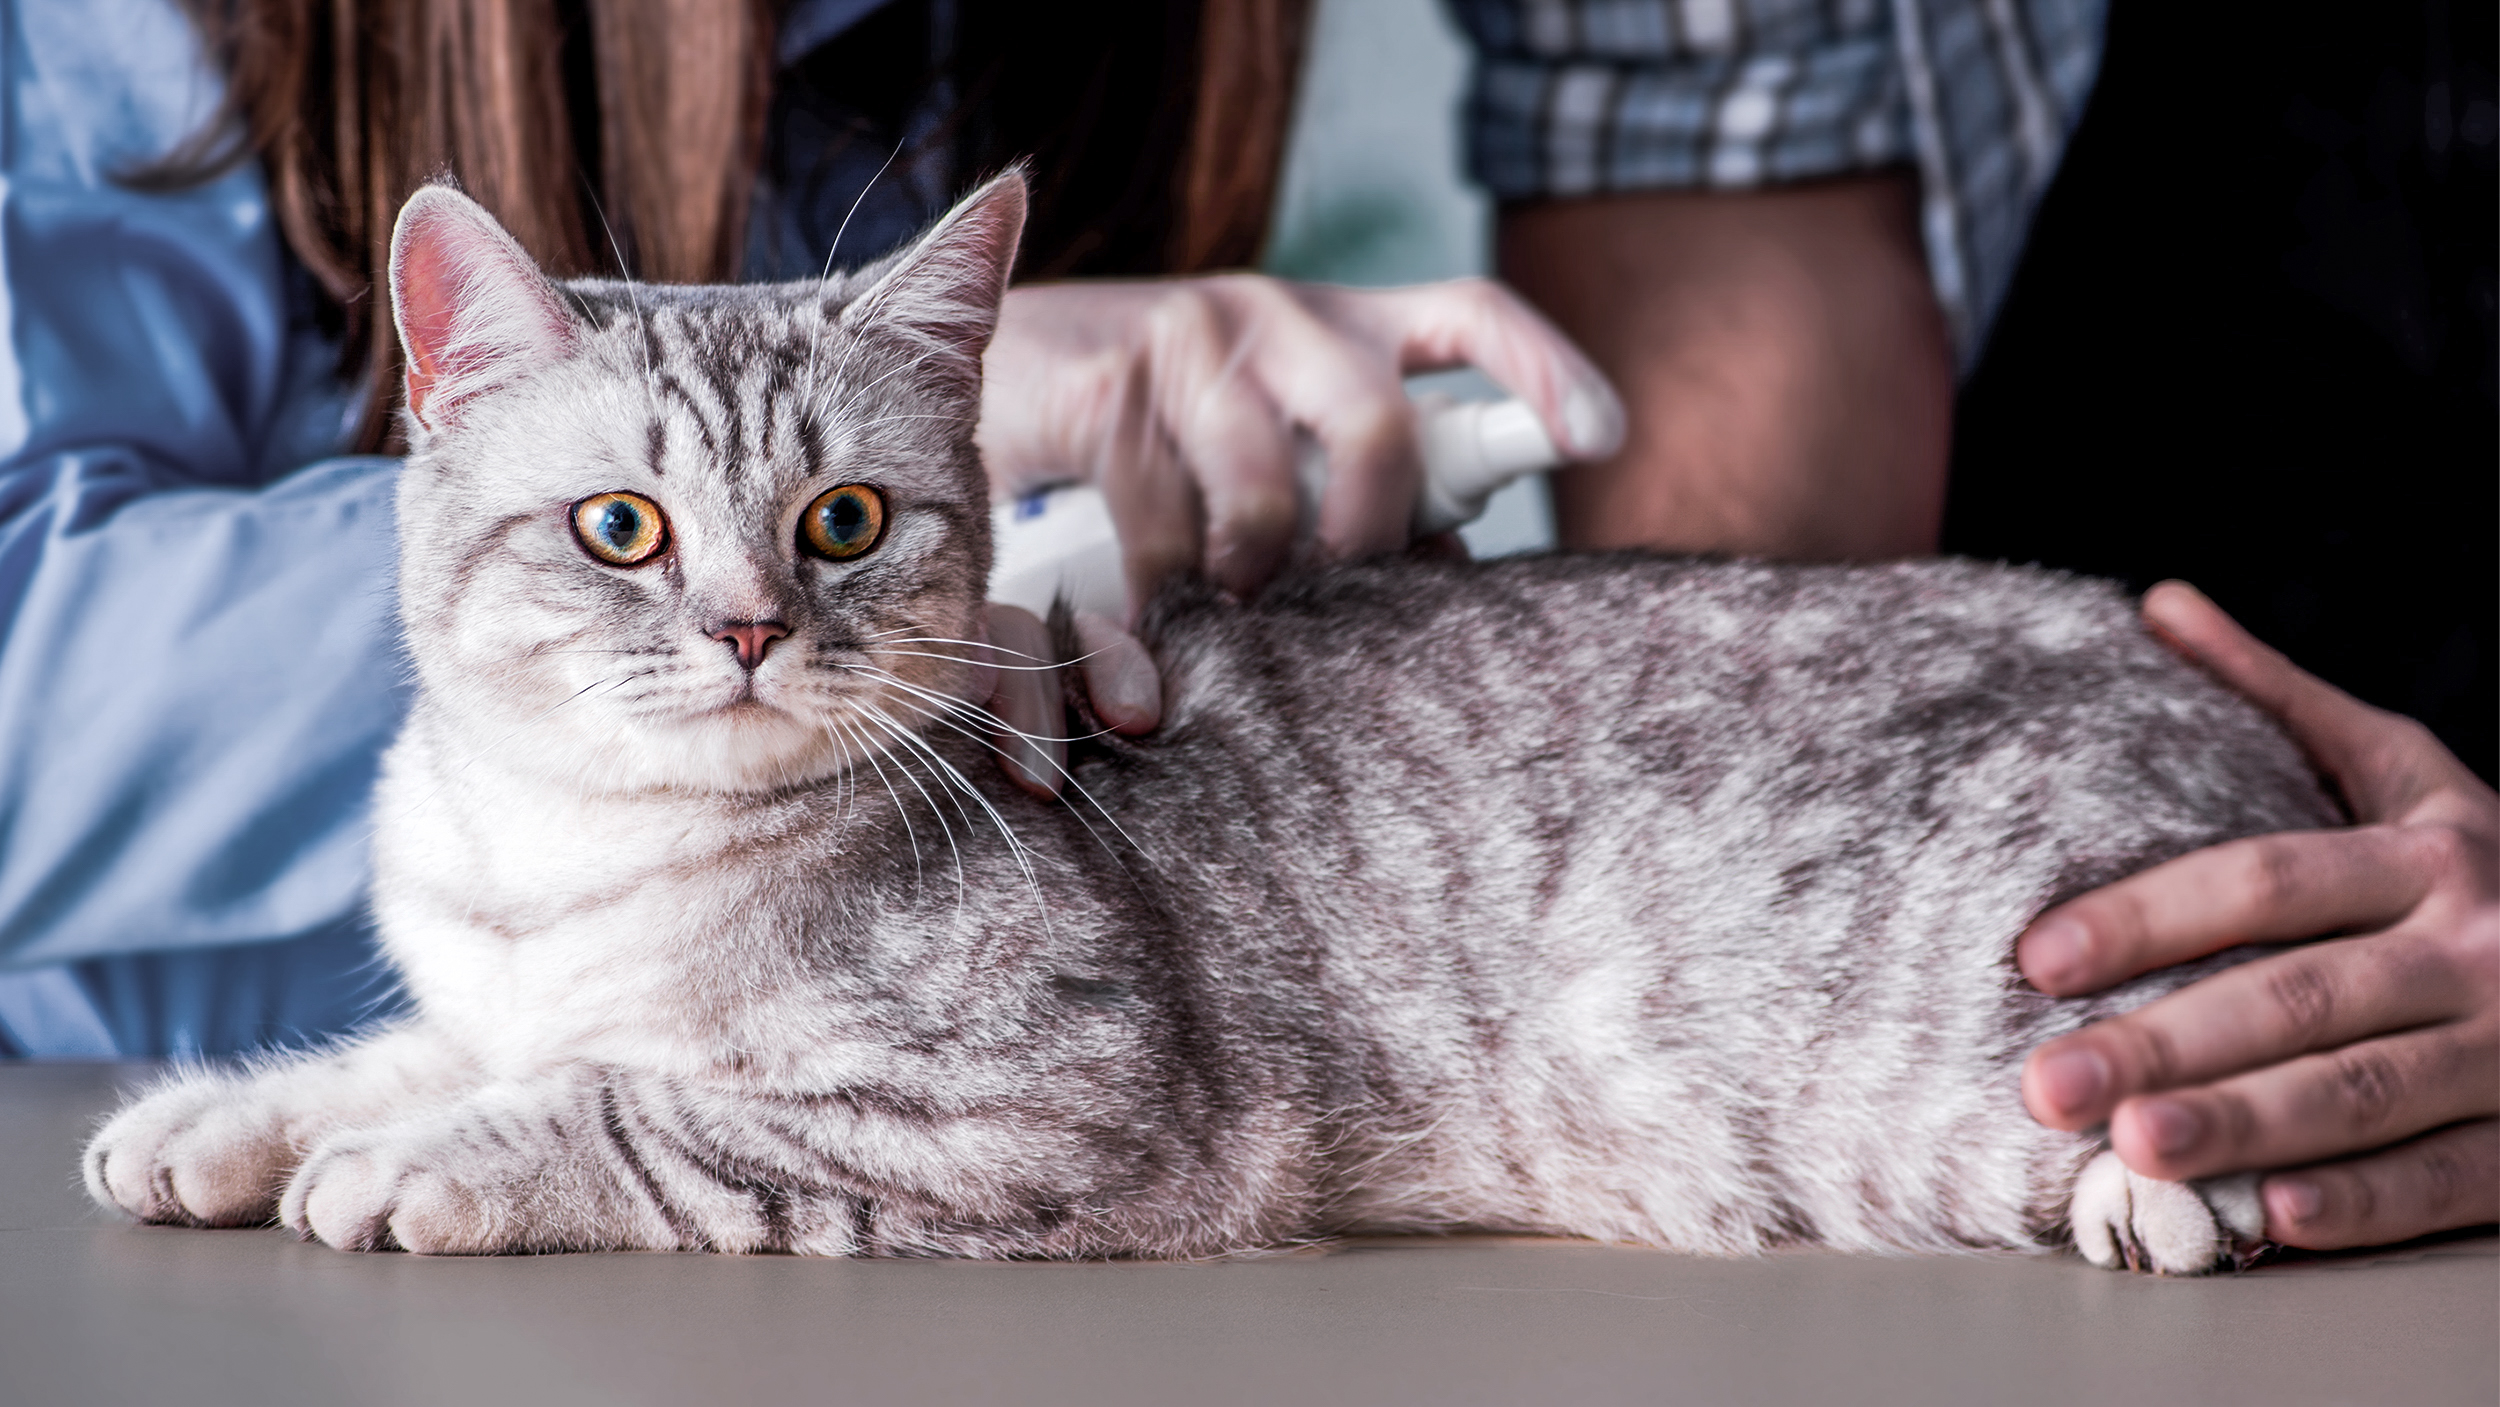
2316 1107
2437 1182
1347 394
1480 323
1035 753
1153 504
2263 889
2383 761
1231 438
1120 677
2257 1014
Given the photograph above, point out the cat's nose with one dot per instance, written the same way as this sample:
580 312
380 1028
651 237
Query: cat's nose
750 638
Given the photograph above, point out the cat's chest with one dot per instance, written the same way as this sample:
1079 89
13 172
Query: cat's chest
559 927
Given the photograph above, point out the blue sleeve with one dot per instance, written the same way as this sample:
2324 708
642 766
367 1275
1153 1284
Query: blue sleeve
198 667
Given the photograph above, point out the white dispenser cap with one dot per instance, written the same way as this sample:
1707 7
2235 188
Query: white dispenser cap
1470 449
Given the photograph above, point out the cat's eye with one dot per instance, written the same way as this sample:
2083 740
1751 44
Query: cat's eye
621 529
843 522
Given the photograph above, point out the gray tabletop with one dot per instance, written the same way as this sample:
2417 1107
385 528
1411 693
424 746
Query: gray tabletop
96 1311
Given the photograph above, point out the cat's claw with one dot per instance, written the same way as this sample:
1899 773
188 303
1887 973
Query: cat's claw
2121 1218
197 1152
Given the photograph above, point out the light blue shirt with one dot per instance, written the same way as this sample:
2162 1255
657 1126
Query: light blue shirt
197 660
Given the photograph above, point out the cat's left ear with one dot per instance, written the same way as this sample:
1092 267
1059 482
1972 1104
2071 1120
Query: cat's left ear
943 292
473 310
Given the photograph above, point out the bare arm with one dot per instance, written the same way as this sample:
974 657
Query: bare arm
1786 368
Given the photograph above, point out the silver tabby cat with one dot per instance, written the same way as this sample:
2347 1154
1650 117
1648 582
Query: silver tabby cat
1651 900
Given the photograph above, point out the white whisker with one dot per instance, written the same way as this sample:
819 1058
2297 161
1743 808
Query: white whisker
816 334
951 706
888 725
1022 854
981 715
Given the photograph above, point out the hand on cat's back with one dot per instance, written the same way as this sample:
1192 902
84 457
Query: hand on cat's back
2364 1070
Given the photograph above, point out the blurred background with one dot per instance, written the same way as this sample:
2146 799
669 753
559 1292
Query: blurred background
2270 250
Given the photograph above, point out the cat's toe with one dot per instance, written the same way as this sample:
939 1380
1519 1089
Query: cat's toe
378 1194
2097 1212
2120 1218
343 1197
198 1153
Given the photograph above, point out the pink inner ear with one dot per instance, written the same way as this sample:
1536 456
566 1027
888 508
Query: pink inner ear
424 277
471 306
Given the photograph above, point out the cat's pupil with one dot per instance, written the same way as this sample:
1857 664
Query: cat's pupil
844 517
618 525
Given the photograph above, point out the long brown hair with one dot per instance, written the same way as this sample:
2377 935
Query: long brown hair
622 135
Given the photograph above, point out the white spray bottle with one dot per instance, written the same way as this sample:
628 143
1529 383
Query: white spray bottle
1061 539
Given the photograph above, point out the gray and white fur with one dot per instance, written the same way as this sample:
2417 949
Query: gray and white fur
1652 900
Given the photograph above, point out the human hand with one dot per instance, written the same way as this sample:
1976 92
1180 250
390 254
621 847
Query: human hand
1179 400
1022 691
2365 1067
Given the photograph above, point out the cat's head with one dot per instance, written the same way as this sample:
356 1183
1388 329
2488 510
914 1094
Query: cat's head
711 538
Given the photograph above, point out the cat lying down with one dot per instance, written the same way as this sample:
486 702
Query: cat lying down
1650 900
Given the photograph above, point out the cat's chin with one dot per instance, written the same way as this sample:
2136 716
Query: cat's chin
745 745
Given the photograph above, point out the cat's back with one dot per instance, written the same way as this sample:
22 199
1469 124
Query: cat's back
1803 686
1502 755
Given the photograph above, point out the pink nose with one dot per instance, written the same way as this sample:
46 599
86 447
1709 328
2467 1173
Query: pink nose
751 638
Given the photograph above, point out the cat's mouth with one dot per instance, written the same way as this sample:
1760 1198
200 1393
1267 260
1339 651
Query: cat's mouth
743 702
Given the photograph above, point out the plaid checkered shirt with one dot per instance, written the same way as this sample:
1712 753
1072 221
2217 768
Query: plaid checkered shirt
1579 97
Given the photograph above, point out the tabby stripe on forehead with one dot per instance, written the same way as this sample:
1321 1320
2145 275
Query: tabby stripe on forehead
721 372
673 389
658 447
780 382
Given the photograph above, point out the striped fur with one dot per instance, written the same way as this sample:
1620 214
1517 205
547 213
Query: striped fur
1653 900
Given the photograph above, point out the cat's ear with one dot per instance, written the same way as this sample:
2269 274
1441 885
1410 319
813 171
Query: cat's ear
473 309
942 293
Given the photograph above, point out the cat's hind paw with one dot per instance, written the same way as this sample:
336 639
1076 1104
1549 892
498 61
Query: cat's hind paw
199 1151
2121 1218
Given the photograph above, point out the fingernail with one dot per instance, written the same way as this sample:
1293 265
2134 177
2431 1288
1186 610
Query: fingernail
2055 954
1137 694
1039 764
2073 1080
1120 676
1594 420
2291 1201
2170 1126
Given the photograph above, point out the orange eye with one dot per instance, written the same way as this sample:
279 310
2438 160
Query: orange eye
843 523
620 529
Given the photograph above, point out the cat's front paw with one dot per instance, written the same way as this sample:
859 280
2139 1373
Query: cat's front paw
203 1150
385 1193
2121 1218
462 1185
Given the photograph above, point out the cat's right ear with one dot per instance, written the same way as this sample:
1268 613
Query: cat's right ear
473 309
942 292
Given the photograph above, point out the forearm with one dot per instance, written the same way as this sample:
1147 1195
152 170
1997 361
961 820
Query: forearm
1788 374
